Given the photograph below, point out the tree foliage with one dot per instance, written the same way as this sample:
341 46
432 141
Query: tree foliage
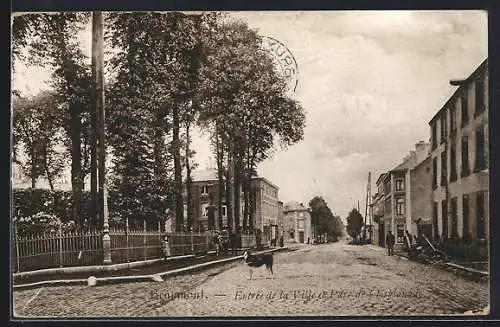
167 73
37 131
354 223
323 220
51 40
243 103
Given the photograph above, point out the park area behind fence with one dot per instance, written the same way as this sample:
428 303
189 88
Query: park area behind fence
84 248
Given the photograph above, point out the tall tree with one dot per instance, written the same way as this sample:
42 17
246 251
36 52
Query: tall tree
323 220
139 122
354 223
245 98
51 40
37 126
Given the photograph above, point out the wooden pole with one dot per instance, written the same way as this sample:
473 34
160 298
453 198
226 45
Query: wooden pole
94 212
98 104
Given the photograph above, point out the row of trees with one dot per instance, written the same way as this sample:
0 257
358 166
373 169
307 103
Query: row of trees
323 220
167 74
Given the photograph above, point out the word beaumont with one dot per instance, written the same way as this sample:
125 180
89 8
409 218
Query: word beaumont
309 294
169 296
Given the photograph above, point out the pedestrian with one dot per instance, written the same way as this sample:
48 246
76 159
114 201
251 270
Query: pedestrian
390 240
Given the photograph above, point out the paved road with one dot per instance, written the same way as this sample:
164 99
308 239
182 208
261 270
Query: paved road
330 279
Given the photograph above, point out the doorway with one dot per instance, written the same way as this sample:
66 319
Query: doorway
381 234
301 237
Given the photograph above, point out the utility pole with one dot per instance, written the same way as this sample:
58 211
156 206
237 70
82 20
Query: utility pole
368 197
98 104
94 215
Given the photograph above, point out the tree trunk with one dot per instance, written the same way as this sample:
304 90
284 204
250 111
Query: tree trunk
252 205
229 192
188 179
237 193
49 178
159 162
220 177
179 205
245 203
33 166
76 164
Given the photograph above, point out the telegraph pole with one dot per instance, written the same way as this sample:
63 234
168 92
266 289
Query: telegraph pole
98 104
94 215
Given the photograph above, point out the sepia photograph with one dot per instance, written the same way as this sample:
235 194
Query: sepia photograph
249 164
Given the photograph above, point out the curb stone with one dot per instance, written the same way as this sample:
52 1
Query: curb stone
137 278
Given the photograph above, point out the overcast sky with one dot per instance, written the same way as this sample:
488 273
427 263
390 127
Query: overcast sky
369 82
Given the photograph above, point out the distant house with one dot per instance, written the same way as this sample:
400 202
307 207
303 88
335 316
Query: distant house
297 222
392 204
205 188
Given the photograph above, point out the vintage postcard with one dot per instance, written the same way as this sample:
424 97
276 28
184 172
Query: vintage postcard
250 164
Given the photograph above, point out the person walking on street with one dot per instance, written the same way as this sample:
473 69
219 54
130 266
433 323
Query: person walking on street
390 240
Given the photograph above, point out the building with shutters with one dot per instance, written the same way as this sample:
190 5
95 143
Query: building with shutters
460 164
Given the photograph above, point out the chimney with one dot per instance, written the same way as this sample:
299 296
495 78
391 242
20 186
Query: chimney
422 150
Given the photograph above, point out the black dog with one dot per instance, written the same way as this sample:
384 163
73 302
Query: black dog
256 261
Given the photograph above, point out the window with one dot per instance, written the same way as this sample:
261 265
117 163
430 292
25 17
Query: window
465 156
400 233
454 218
444 219
453 163
388 207
444 130
465 109
479 96
434 173
387 187
435 216
204 210
301 224
480 215
444 168
224 210
465 213
400 184
434 135
204 189
453 119
400 206
480 163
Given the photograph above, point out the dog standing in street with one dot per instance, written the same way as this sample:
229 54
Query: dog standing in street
256 261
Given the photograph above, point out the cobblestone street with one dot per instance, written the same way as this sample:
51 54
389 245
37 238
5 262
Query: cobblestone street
323 280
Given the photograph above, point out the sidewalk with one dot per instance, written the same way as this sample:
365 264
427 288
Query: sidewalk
145 273
451 265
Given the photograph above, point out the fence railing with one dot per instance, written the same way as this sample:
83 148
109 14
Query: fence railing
83 248
59 249
248 241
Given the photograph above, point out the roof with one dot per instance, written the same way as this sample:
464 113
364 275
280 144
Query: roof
294 206
204 175
408 163
428 158
480 69
380 178
211 175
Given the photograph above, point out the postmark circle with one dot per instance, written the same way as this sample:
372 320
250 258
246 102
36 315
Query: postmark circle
284 60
